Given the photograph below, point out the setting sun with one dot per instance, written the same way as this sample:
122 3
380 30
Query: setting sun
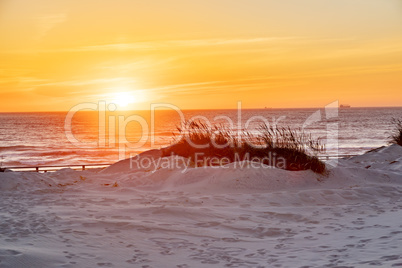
126 98
122 99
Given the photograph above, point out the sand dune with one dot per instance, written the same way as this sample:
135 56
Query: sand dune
182 216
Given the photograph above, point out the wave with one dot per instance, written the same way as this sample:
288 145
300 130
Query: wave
17 148
75 153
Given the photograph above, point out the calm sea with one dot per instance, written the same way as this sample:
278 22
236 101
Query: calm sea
98 137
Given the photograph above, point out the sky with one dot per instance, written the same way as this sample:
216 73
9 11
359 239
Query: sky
199 54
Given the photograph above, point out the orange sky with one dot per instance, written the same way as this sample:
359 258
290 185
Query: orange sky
199 54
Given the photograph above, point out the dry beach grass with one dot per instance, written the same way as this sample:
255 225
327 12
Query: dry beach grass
280 147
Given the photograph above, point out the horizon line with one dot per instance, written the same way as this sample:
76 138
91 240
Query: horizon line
204 109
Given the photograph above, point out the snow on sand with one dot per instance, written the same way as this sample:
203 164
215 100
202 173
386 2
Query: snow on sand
178 216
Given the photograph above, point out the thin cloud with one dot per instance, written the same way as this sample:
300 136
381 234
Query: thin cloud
102 81
181 43
154 45
47 22
216 87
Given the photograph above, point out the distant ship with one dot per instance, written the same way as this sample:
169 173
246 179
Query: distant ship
344 106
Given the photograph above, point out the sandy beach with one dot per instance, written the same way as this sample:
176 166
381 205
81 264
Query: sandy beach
236 216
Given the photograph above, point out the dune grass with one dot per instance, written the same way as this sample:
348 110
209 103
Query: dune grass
1 165
280 147
396 137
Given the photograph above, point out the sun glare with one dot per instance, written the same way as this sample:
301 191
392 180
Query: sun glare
124 99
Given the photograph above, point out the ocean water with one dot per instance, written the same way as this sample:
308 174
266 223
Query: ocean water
29 139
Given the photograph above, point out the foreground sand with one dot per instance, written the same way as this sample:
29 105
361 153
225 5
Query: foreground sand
206 217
